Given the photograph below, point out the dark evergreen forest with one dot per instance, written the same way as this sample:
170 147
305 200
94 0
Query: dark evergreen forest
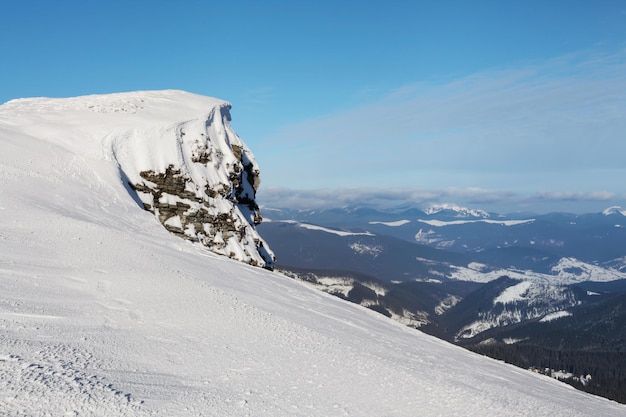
607 369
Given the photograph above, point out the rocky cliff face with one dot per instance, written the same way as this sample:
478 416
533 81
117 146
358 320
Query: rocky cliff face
200 184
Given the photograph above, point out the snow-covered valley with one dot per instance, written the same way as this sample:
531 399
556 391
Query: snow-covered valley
105 312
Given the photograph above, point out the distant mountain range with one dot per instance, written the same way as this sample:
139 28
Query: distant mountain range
470 244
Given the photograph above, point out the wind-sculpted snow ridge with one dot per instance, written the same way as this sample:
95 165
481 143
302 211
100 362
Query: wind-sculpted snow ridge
175 150
104 313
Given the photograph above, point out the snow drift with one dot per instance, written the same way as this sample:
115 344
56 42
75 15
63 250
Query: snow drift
103 312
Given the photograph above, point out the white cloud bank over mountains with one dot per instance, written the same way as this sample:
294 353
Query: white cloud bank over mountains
490 200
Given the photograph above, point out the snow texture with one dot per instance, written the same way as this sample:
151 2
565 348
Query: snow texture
105 313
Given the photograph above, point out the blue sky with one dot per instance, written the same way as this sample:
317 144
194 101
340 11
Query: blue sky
500 105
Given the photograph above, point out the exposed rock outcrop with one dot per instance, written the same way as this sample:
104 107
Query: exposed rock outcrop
200 181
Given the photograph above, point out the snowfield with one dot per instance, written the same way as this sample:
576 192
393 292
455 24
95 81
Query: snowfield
514 293
397 223
555 316
105 313
441 223
333 231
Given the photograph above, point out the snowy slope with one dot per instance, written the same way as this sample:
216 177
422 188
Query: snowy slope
520 302
103 312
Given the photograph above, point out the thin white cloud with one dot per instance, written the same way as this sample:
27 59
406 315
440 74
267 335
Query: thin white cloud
558 125
576 196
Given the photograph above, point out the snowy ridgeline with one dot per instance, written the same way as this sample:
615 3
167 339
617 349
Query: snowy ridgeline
176 151
103 312
566 271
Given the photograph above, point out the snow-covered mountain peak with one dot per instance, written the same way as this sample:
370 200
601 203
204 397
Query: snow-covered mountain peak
457 211
614 210
177 152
